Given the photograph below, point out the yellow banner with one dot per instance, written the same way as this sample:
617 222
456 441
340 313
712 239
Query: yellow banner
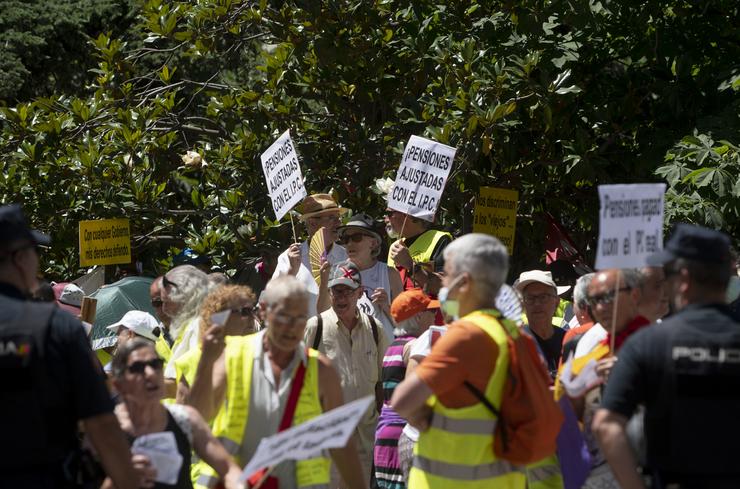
105 242
495 214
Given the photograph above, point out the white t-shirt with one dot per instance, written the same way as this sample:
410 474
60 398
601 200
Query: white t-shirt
590 340
418 350
376 277
337 254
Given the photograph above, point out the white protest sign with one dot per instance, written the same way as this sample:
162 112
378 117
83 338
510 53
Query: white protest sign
283 175
421 178
161 448
330 430
630 224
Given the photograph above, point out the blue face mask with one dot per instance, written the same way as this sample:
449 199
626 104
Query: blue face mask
451 307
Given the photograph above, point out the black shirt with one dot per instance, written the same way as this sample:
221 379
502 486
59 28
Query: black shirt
686 371
73 389
551 348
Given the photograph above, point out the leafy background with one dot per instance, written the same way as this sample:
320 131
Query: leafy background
99 101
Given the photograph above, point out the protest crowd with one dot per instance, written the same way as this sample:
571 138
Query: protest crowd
564 377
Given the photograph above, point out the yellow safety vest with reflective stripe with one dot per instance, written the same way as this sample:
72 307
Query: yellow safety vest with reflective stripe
545 474
422 248
231 420
457 450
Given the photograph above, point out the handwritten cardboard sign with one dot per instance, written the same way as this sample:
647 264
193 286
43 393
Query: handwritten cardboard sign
283 175
630 224
495 214
421 178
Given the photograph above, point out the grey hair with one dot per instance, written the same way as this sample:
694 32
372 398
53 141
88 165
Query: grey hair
192 286
410 326
281 288
483 257
120 359
632 278
580 291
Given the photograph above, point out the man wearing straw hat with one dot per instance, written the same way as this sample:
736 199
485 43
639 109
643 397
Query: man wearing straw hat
317 211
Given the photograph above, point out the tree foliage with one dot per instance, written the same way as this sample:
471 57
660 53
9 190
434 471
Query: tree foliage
549 98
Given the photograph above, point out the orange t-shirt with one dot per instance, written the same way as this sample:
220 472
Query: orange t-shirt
464 352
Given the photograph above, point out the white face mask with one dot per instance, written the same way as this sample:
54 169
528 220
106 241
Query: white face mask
733 289
451 307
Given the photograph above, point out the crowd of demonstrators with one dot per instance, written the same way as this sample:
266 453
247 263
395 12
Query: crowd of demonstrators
429 333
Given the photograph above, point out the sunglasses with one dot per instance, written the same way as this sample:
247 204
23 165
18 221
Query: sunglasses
245 311
355 238
156 303
606 297
168 283
140 367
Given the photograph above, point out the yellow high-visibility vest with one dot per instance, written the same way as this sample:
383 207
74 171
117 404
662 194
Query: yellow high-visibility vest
457 450
231 419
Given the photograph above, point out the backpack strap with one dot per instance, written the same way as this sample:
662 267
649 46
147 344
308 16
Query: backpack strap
374 326
319 332
489 405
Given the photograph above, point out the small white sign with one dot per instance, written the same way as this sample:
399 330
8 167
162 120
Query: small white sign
161 448
421 178
283 175
307 440
630 224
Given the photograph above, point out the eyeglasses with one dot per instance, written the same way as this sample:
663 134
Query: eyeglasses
245 311
390 213
355 238
157 303
540 298
286 319
606 297
168 283
341 292
139 367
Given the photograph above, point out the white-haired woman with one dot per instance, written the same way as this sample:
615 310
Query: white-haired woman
183 291
380 283
413 312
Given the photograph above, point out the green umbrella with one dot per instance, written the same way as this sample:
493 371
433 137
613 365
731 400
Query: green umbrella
115 300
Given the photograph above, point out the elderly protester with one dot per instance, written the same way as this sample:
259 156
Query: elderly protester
438 397
540 297
137 376
183 290
380 282
239 302
258 400
413 311
317 211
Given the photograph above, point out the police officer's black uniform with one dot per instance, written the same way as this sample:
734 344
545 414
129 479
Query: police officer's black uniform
49 379
686 370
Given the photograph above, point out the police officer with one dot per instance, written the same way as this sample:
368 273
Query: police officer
686 371
49 379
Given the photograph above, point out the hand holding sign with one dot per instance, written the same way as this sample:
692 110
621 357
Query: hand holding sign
421 178
307 440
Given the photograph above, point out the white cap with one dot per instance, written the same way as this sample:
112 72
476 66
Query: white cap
140 322
541 277
72 295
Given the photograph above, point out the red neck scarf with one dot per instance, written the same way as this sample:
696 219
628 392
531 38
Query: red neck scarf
635 325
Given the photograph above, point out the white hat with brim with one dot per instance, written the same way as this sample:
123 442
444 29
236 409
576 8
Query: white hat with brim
140 322
540 277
